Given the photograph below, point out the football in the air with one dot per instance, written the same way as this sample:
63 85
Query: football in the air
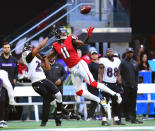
85 9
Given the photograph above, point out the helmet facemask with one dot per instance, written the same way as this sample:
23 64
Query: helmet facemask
62 33
59 33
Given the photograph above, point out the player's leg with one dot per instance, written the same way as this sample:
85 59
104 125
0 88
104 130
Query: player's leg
87 75
80 90
104 110
47 86
7 85
7 108
2 103
48 91
39 88
53 90
60 109
115 105
45 111
92 107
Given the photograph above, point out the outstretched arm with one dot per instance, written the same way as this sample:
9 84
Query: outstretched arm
41 45
31 55
89 30
40 57
81 43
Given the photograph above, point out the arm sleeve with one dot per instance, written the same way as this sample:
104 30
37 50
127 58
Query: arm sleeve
29 57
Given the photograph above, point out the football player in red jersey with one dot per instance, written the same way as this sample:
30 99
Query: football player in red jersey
65 47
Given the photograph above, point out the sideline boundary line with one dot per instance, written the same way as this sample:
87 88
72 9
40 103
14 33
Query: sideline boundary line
88 129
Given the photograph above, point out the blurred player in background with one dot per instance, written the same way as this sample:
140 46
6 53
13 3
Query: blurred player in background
109 75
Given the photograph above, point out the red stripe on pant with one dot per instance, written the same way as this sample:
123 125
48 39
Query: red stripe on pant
93 84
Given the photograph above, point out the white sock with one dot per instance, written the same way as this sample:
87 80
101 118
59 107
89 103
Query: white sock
90 96
116 118
54 103
104 119
58 97
105 89
11 101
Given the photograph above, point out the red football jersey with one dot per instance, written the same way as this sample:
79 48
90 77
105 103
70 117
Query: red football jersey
67 52
86 58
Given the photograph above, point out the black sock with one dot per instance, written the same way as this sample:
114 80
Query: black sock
59 106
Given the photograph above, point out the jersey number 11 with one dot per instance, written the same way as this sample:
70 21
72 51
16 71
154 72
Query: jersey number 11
65 52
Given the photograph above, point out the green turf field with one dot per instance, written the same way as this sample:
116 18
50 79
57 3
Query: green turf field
71 124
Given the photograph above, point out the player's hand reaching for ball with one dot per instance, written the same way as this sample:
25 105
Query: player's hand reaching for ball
90 30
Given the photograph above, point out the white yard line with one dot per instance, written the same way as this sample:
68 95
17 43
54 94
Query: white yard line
146 128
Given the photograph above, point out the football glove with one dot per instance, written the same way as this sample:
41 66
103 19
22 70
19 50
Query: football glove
90 30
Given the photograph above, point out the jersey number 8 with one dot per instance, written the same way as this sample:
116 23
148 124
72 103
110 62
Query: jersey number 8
111 72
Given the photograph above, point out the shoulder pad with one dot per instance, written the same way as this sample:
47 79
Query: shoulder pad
25 53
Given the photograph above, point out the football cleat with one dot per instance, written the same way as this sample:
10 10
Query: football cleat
118 123
3 124
43 123
75 116
57 119
105 123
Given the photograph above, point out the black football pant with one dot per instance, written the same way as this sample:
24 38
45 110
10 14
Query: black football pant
92 108
129 102
114 104
93 105
47 90
4 104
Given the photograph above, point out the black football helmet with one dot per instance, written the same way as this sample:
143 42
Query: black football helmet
60 33
28 47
